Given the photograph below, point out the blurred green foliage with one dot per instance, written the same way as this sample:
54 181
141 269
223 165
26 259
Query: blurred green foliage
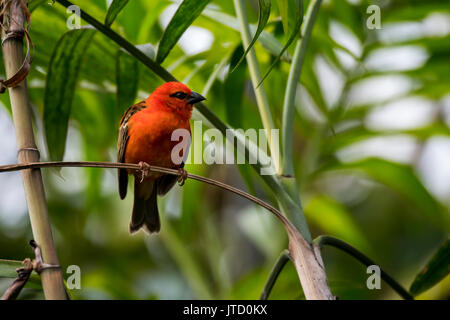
214 244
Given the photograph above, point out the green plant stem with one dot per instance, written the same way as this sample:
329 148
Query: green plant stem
358 255
291 88
274 273
255 74
12 46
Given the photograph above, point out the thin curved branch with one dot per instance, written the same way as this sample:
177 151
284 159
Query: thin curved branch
358 255
94 164
274 273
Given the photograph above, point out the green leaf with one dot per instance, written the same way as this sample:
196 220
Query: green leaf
127 79
436 269
113 10
61 80
284 13
33 5
234 87
267 40
402 179
8 270
185 15
297 6
264 13
334 218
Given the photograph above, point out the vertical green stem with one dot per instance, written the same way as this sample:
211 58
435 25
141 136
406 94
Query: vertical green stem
291 88
255 74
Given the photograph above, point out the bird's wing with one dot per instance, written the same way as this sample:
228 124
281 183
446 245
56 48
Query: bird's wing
122 145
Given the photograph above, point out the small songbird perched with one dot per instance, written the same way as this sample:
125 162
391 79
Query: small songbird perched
145 138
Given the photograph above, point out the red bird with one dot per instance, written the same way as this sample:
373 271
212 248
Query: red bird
145 138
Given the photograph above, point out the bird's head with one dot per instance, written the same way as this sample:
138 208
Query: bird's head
177 96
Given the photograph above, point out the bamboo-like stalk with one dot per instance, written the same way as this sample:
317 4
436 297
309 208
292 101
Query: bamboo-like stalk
255 75
52 280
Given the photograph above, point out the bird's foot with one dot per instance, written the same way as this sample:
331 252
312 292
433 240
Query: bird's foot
182 176
144 168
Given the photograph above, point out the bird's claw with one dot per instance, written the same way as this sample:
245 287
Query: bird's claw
182 176
144 168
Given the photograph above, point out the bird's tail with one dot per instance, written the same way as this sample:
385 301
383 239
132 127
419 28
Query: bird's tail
145 208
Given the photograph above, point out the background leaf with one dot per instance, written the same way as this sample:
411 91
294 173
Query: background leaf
437 268
186 13
283 8
297 11
334 218
267 40
127 80
113 10
8 270
234 87
61 80
402 179
264 13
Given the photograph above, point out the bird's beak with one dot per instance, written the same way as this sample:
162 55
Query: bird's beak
195 97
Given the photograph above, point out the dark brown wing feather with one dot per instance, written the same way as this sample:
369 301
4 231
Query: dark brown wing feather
122 145
166 182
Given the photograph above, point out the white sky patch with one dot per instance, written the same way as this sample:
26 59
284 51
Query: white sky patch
12 197
71 180
306 106
446 109
331 81
378 89
436 24
399 148
434 167
346 60
397 58
345 37
194 40
408 113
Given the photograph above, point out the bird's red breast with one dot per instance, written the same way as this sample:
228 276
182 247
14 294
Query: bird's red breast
150 136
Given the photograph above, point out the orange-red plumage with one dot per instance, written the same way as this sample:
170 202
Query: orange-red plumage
145 136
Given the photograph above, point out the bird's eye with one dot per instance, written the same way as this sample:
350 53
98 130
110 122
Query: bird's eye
179 95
